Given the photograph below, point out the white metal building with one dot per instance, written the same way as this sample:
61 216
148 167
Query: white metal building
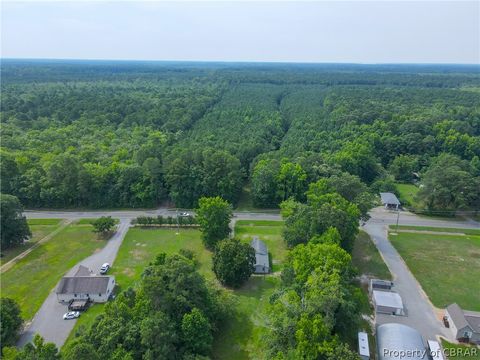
387 302
363 347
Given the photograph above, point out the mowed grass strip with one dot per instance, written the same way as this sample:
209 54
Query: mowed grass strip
39 228
436 229
367 259
33 277
447 266
241 337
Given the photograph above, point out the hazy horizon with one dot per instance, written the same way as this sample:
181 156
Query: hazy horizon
355 32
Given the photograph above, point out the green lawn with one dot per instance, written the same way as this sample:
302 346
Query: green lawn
447 266
461 352
39 228
407 194
437 229
33 277
367 259
141 245
269 232
239 338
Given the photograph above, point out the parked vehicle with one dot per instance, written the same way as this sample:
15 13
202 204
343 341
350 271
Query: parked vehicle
184 214
105 267
71 315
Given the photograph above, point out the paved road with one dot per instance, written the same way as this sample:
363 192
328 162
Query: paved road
421 315
48 320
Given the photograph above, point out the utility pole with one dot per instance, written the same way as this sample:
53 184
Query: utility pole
398 217
178 225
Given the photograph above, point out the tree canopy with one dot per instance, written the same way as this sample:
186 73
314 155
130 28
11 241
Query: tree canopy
214 215
14 227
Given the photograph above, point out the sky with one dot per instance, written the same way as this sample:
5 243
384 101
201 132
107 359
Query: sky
315 31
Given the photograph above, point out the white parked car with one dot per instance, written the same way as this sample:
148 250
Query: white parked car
184 214
104 268
71 315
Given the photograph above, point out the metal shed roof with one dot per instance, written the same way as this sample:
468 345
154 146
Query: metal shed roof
398 341
388 298
389 198
259 246
363 348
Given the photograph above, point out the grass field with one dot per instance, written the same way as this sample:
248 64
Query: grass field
407 194
39 228
460 352
367 259
447 266
437 229
33 277
239 338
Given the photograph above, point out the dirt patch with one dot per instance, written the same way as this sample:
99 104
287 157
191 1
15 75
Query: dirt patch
138 254
129 272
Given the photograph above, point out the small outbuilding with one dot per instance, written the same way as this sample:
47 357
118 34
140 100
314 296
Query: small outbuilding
262 264
387 302
398 341
390 200
378 284
435 350
465 325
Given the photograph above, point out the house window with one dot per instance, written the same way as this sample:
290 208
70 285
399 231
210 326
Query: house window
100 294
75 295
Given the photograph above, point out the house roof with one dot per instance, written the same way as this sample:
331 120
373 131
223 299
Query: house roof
83 284
457 316
261 252
389 198
435 350
259 246
83 271
388 299
463 318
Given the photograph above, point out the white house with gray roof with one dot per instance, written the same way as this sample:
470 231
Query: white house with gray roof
262 264
85 285
465 325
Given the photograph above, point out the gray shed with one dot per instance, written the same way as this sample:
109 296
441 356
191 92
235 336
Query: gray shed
262 265
390 200
398 341
387 302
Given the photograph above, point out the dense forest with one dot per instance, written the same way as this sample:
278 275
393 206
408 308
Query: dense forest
139 134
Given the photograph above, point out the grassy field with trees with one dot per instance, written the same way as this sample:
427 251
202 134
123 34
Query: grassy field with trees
446 266
32 278
39 228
